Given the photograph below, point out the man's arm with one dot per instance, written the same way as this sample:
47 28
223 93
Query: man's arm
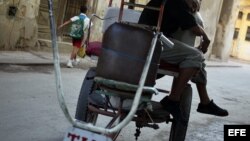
199 31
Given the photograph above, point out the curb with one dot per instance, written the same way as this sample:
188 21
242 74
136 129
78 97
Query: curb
31 58
29 64
62 63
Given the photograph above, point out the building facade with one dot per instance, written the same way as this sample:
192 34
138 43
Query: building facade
25 23
241 38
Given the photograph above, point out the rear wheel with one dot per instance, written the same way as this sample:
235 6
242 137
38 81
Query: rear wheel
178 128
82 113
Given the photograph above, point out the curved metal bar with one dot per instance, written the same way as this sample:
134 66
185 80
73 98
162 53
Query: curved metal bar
60 94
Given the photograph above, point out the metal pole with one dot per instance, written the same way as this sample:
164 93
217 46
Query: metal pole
110 3
121 11
161 15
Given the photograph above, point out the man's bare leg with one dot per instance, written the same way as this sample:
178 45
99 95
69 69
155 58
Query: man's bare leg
171 103
206 105
202 91
180 83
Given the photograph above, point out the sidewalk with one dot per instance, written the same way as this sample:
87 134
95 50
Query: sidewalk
28 58
39 58
46 58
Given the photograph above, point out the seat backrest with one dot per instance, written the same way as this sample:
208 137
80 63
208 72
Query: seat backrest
112 14
124 52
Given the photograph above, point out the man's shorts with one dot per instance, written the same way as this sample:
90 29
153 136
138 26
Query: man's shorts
186 56
77 42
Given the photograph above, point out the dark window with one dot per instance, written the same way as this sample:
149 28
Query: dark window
240 15
236 33
248 34
12 11
248 16
73 8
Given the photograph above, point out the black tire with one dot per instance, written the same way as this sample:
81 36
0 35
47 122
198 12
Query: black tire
82 113
178 128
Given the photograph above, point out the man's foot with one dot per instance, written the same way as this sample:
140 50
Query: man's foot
212 109
173 107
69 64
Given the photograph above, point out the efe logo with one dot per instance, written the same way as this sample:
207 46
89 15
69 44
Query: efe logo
236 132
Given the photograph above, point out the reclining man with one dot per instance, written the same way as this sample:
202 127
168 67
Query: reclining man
178 14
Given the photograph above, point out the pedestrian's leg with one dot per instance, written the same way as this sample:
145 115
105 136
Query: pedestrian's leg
69 63
74 53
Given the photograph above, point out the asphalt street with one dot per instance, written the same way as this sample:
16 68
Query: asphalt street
29 109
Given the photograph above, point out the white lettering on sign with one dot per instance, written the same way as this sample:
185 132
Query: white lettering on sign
237 132
74 137
75 134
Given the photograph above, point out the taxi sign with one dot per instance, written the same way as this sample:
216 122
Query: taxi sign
76 134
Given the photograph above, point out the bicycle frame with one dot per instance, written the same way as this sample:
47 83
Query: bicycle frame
59 86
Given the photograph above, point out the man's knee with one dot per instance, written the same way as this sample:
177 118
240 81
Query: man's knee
200 77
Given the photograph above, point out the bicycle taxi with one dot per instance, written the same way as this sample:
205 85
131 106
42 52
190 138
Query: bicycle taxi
122 84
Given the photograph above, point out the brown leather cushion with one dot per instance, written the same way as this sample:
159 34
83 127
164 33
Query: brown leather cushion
124 51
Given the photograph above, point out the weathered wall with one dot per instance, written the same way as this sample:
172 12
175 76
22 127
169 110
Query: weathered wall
210 11
225 30
20 30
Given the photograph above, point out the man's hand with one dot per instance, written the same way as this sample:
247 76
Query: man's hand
194 5
204 46
205 41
